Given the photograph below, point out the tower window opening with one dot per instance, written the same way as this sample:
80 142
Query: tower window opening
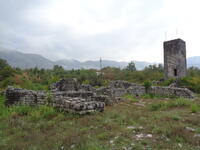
175 72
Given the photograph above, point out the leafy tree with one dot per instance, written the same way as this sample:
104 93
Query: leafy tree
154 67
58 70
147 86
5 70
131 66
160 67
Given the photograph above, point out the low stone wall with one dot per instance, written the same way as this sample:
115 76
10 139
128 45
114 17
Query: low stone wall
171 91
82 94
107 99
119 89
71 101
76 104
29 97
69 96
136 90
121 84
69 84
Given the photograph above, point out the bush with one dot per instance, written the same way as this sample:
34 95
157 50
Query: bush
192 83
194 108
5 70
4 83
167 82
131 66
157 106
147 85
49 98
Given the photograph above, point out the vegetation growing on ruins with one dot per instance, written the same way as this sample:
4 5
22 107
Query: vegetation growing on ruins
148 122
41 79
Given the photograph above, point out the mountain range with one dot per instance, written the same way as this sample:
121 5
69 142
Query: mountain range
27 60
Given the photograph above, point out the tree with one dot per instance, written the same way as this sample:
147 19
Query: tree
5 70
154 68
131 66
58 70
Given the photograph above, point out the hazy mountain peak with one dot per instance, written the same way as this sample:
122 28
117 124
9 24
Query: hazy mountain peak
26 60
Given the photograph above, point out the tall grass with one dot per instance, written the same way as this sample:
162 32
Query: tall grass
194 108
130 97
34 112
163 105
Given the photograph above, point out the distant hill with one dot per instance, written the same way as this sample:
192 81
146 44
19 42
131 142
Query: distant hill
74 64
26 60
23 60
193 61
69 64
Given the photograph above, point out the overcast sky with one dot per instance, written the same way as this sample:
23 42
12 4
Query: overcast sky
120 30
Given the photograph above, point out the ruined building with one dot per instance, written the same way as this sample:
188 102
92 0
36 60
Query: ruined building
175 59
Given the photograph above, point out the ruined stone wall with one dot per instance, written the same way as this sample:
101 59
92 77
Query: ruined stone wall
75 104
29 97
138 90
85 99
172 91
69 84
69 101
119 88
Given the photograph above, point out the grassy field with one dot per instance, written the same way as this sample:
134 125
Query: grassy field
149 124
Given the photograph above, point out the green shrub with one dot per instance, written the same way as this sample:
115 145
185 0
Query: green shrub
157 106
86 82
176 117
167 82
6 70
194 108
147 85
192 83
49 98
6 82
130 97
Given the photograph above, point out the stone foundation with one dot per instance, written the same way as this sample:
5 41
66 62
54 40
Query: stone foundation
29 97
172 91
73 101
120 88
67 95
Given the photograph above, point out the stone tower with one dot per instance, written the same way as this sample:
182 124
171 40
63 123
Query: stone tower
175 59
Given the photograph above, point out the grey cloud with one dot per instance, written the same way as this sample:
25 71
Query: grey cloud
142 30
